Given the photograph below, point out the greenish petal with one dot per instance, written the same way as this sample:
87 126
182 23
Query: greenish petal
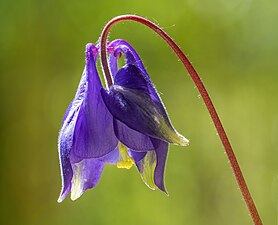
146 168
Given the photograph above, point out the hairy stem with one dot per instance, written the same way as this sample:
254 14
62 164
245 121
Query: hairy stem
201 88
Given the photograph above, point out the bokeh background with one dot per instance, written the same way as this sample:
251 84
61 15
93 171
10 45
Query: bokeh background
233 45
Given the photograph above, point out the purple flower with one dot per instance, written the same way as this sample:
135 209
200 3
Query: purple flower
125 125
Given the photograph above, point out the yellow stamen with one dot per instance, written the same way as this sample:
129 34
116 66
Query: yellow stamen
125 161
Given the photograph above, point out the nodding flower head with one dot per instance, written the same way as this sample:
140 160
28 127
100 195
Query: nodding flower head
126 124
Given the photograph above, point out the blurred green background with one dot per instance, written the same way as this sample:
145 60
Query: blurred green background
233 45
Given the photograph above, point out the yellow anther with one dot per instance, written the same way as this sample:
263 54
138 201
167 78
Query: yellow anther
125 161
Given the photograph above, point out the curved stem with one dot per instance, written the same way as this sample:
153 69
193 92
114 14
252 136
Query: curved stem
201 88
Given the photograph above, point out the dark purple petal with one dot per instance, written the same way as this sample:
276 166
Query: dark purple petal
130 76
94 134
131 58
131 138
137 156
128 100
161 150
86 175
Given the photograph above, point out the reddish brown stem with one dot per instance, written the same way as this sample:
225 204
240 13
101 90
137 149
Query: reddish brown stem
201 88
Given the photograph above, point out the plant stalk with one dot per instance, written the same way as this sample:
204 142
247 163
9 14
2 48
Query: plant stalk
202 90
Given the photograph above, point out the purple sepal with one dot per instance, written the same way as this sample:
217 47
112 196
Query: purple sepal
131 138
94 134
111 157
87 129
161 150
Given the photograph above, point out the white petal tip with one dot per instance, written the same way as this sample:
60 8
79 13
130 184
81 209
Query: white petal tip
62 197
75 195
183 141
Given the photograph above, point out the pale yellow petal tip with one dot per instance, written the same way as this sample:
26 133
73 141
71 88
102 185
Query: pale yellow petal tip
75 194
148 179
77 182
153 188
182 141
185 142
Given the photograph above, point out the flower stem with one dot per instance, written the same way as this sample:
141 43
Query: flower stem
201 88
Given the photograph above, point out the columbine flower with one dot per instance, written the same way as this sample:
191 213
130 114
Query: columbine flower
125 125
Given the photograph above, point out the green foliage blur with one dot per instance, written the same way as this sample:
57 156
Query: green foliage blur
232 44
